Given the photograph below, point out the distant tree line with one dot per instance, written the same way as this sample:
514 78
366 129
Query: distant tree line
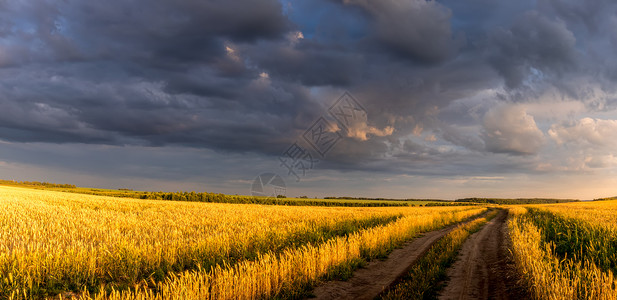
36 183
516 201
451 203
384 199
222 198
603 199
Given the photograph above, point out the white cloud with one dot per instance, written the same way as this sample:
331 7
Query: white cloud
600 161
596 132
584 145
509 129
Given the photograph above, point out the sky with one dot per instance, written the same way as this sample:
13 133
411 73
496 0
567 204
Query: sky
392 98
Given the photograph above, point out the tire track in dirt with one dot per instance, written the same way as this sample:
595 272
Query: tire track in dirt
377 275
484 269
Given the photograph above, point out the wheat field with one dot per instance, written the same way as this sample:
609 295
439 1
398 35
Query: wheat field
56 244
62 245
566 251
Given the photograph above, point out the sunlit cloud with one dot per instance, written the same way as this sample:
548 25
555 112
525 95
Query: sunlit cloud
596 132
510 129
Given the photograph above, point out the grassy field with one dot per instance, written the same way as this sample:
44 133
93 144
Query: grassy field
54 243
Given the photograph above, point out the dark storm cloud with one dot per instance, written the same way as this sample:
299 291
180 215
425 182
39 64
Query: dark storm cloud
55 108
145 73
418 30
178 31
251 76
313 64
592 15
533 42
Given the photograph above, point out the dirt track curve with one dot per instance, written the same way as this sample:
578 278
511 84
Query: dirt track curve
370 281
483 269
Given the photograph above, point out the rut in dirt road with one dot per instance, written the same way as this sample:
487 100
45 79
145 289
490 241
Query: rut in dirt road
368 282
483 269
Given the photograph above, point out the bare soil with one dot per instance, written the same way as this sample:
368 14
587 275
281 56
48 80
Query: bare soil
377 275
484 269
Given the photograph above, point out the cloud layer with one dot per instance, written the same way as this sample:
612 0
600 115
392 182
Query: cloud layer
481 89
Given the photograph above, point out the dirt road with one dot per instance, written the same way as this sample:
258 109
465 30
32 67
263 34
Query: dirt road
370 281
483 269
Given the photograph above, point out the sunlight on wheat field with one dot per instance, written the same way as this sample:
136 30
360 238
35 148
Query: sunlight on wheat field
566 251
72 245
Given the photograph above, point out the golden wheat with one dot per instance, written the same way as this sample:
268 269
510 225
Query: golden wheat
269 275
52 242
546 274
